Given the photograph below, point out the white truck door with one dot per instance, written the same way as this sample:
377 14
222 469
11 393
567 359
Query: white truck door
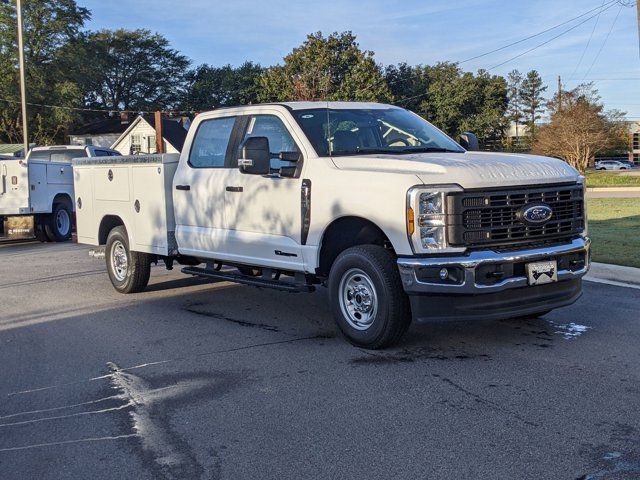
198 189
263 213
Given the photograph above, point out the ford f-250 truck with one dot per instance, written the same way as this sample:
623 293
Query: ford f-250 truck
395 218
41 185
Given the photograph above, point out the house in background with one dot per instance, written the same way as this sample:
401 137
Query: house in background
140 137
101 133
13 150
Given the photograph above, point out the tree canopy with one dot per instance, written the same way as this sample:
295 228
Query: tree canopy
128 70
580 127
49 26
331 68
209 87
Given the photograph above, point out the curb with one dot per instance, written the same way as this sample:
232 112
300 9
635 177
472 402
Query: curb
613 189
617 275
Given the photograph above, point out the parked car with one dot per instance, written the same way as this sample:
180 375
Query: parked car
613 165
41 186
396 219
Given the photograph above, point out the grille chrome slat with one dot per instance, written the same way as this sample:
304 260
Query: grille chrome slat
491 217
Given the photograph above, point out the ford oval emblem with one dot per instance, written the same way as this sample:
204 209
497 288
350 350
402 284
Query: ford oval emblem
536 214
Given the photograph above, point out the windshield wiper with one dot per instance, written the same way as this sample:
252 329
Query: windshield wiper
430 150
366 151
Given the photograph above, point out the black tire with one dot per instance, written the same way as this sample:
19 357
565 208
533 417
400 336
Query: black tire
389 320
133 277
58 225
40 231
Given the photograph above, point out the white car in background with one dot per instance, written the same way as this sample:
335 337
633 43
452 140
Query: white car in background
612 165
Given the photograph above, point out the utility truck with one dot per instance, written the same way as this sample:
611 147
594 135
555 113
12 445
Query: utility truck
395 218
41 187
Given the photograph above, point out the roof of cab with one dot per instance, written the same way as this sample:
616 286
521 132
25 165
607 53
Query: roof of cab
59 147
335 105
309 105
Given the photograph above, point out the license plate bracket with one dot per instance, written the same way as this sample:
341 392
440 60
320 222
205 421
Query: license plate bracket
540 273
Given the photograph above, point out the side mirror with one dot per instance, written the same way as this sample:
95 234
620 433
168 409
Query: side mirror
469 141
255 158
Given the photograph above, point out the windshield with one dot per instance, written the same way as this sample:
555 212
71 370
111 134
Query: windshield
392 130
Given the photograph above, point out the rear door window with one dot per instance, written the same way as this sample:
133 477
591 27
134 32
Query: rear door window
209 148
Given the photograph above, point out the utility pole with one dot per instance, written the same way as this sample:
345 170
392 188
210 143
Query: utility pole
638 9
23 89
159 132
559 94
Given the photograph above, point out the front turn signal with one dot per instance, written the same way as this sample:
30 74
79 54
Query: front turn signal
411 222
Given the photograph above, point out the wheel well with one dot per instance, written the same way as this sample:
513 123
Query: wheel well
63 198
108 223
347 232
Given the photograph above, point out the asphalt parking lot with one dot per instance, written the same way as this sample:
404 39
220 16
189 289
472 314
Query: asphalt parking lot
194 379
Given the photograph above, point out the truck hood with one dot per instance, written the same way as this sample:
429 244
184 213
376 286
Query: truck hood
468 169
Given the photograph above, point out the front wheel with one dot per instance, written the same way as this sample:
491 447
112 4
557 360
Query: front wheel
368 301
128 271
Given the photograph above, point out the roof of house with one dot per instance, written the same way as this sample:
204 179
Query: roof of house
11 148
173 130
104 126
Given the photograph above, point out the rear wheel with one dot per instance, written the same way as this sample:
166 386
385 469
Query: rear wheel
58 225
368 301
129 271
40 231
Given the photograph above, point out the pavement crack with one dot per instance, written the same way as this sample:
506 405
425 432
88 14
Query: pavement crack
242 323
487 402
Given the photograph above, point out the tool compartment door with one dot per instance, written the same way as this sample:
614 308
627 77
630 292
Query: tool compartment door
14 187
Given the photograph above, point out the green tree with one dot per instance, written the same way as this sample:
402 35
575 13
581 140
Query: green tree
532 99
128 70
49 25
580 129
407 84
514 96
457 101
331 68
209 87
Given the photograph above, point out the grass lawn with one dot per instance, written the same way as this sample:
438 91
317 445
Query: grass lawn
614 228
611 179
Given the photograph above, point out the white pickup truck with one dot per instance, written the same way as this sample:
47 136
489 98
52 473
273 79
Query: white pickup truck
42 186
395 218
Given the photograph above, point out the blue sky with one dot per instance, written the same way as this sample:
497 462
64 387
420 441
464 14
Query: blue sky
412 31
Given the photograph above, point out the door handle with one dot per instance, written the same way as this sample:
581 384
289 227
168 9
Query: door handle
234 189
183 187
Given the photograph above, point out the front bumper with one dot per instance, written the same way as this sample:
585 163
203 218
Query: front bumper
493 284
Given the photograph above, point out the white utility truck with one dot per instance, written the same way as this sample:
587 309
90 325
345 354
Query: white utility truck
42 186
398 220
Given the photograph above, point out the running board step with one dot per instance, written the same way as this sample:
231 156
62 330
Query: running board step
247 280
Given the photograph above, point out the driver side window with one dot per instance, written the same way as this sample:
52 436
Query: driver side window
280 140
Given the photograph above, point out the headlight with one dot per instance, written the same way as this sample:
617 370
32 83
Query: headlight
426 218
582 181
